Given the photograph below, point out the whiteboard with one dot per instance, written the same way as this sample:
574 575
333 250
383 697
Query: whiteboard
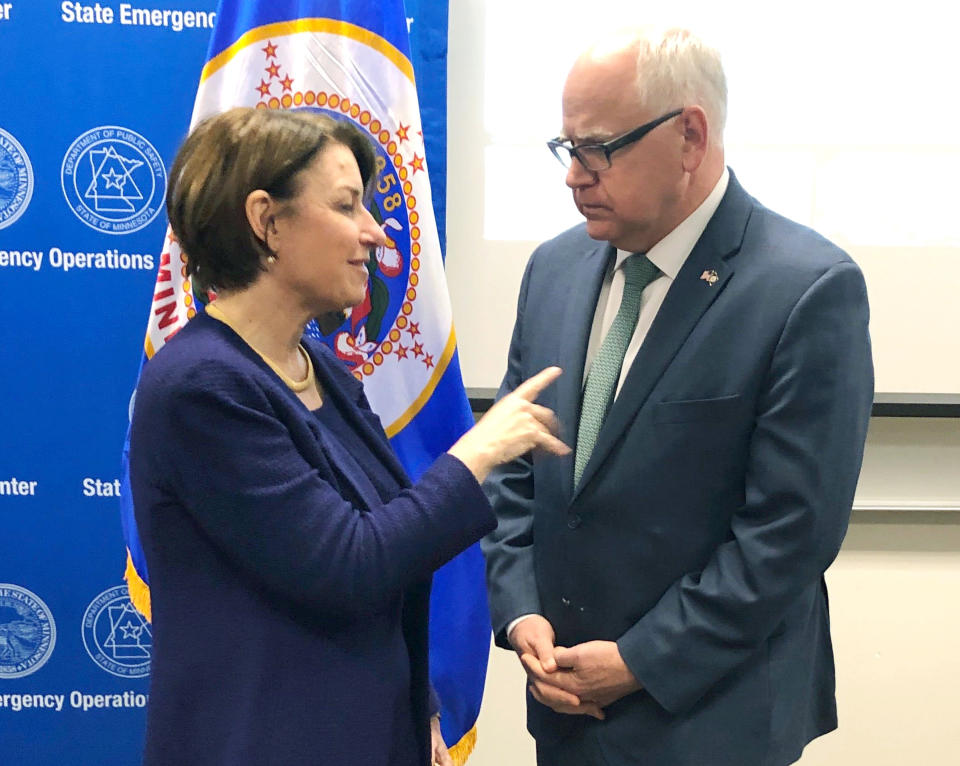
841 116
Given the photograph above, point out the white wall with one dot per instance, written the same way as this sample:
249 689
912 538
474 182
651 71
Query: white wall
895 589
816 137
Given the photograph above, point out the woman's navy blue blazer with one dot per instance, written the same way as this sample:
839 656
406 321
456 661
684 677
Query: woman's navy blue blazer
290 602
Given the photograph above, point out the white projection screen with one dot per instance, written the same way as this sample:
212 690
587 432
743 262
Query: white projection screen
842 115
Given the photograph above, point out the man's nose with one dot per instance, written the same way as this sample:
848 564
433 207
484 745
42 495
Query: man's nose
578 176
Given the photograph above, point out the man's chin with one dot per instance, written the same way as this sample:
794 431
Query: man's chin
600 230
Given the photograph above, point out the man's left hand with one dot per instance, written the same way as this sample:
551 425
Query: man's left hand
594 672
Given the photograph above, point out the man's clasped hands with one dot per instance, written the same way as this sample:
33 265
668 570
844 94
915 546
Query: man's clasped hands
579 680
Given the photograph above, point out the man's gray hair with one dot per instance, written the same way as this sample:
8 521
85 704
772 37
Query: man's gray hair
675 68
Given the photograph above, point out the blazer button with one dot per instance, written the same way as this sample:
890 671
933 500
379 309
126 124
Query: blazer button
574 521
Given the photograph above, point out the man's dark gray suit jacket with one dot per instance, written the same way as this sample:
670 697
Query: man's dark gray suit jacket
718 493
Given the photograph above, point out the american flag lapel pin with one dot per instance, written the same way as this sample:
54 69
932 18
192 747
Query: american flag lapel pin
710 277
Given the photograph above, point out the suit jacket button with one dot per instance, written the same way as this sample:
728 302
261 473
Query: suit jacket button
565 601
574 521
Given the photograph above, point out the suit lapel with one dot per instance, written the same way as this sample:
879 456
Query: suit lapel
689 297
575 335
334 385
344 467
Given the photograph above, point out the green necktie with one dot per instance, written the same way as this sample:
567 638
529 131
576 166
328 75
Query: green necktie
602 379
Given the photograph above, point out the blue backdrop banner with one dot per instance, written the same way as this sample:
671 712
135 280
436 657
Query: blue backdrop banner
97 97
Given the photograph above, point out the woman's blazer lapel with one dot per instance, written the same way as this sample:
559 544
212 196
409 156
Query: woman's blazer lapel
342 389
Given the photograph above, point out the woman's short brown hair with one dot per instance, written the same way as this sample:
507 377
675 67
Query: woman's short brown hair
224 159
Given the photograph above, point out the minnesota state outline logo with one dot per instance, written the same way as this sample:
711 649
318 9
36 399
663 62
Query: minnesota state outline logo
113 179
28 632
116 636
399 339
16 179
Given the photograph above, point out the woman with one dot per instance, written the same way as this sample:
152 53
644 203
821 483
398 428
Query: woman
289 555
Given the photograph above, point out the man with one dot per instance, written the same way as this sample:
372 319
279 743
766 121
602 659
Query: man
663 585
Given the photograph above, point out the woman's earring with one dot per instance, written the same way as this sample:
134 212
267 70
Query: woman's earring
272 258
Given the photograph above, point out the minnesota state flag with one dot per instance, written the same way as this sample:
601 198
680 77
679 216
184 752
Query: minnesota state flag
350 59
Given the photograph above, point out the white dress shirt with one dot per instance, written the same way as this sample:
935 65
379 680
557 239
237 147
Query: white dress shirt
668 255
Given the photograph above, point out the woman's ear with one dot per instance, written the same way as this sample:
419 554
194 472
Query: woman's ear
259 207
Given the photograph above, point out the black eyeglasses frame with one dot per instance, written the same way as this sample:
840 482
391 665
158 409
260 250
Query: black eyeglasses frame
607 147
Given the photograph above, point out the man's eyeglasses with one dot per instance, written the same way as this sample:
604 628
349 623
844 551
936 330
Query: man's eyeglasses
596 157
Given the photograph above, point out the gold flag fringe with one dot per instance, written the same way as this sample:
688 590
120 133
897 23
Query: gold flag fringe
461 751
139 590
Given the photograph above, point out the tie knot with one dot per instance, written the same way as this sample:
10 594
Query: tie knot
638 272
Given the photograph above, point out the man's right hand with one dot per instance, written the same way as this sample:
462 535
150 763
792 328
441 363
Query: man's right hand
534 635
533 640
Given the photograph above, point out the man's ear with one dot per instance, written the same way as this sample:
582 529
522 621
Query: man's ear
696 137
259 207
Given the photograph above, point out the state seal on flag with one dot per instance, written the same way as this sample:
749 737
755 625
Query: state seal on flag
16 179
113 179
359 342
28 632
400 339
116 636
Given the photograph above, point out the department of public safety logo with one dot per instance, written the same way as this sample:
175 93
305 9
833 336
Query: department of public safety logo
116 636
16 179
27 632
113 180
